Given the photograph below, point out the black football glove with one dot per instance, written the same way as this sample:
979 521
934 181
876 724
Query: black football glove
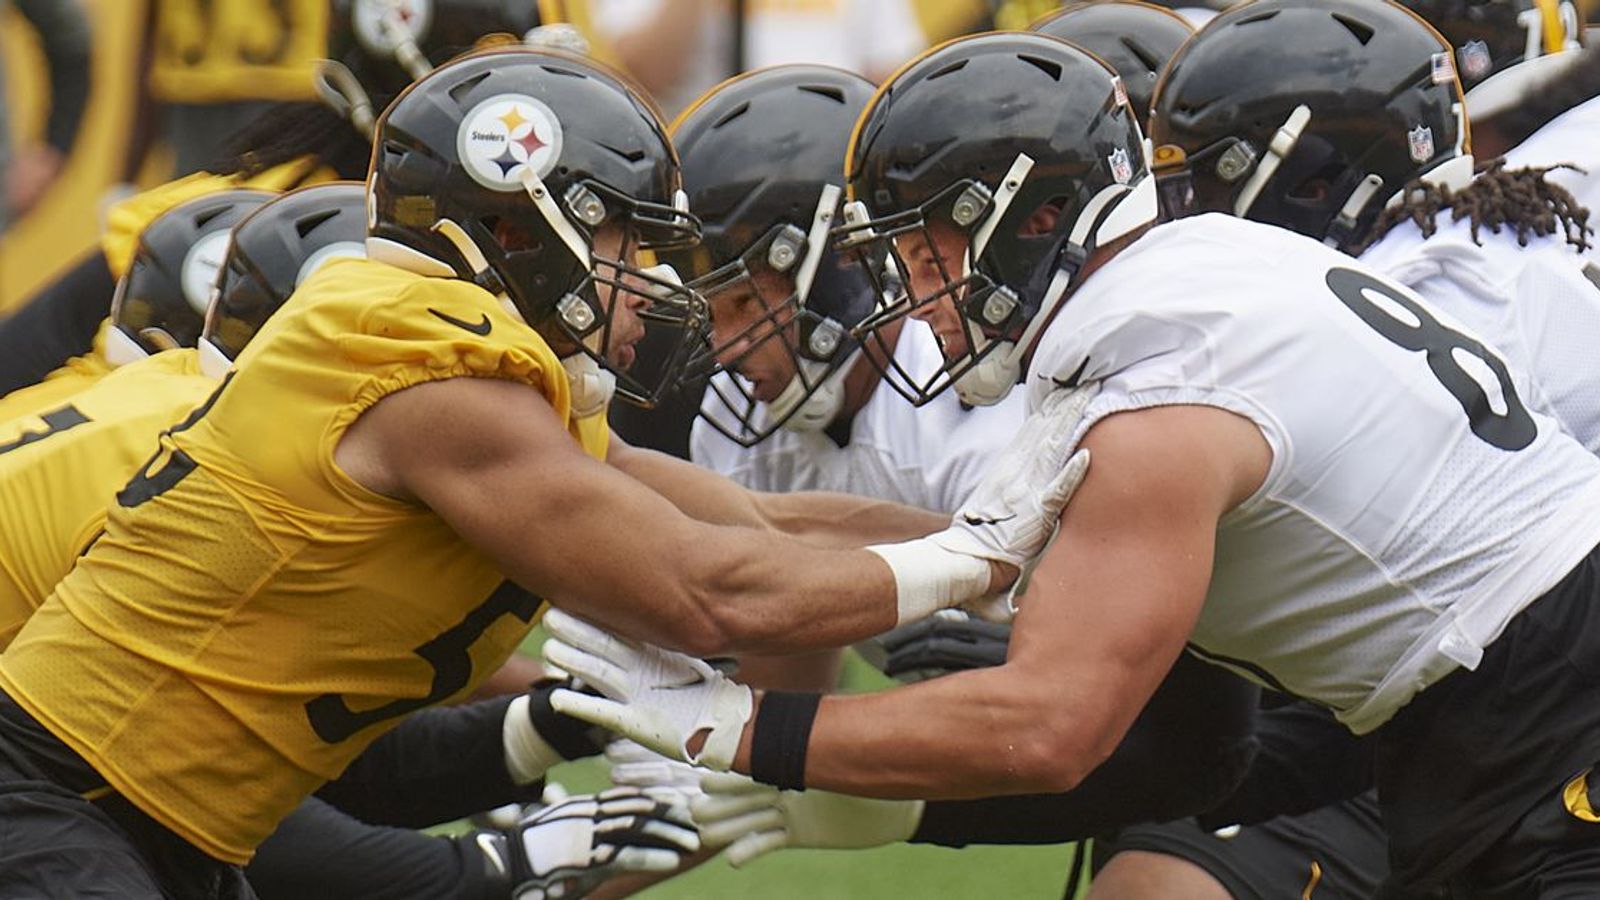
947 641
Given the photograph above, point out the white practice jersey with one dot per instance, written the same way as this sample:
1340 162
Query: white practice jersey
930 457
1535 304
1394 536
1572 137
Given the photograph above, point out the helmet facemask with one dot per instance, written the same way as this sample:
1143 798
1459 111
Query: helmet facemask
988 287
610 302
768 292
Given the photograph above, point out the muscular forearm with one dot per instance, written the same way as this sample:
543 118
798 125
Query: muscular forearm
844 520
1188 750
983 733
820 518
727 580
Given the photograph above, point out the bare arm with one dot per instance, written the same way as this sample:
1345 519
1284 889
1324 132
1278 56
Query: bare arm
492 459
840 521
1108 610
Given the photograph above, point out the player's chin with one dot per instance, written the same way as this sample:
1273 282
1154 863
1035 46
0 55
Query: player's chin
623 357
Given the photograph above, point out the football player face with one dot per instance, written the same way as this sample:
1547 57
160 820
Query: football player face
746 319
932 258
622 307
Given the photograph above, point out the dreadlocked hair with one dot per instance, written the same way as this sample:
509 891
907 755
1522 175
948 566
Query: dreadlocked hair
288 131
1522 199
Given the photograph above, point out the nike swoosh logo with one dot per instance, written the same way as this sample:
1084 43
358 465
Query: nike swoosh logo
975 520
487 845
695 680
1071 381
481 329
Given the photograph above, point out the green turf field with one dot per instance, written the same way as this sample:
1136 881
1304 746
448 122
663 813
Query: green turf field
892 873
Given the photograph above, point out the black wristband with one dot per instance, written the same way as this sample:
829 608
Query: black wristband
572 738
782 736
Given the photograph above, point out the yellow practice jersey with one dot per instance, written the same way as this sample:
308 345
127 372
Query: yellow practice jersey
60 467
208 52
247 590
76 376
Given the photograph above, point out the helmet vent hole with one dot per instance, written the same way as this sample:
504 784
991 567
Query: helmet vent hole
632 156
823 90
731 114
558 70
1258 17
1149 60
1053 69
464 88
309 223
1360 30
954 67
205 217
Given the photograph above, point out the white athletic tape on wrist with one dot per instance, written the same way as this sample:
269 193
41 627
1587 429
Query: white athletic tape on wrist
928 578
528 756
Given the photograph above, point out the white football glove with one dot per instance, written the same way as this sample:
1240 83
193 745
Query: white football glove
1011 514
635 765
1010 517
660 698
565 850
756 819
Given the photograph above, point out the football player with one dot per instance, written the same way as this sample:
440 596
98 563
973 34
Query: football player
160 302
1339 158
377 48
1287 482
323 546
797 408
58 470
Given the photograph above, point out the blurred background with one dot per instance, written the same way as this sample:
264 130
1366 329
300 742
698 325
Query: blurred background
99 98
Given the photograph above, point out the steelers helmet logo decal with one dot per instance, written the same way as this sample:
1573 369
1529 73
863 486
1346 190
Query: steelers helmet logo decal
380 25
505 135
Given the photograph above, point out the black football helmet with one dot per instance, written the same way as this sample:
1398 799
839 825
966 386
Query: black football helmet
161 302
1133 37
1491 37
378 47
273 250
763 164
1308 114
976 137
503 168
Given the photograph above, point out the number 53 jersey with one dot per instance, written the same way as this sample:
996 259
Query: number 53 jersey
1414 503
252 618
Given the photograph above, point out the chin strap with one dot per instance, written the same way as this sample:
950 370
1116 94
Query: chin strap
992 378
122 349
213 362
591 386
816 411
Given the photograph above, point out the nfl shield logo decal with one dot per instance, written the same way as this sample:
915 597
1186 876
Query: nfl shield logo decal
1475 60
1121 166
1421 140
